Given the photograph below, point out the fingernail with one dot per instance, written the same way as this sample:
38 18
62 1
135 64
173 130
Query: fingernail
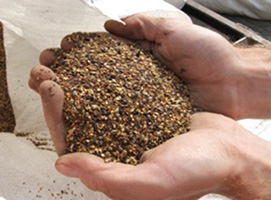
66 170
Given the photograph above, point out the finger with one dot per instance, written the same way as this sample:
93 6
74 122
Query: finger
205 120
39 74
151 33
118 181
67 43
48 56
146 30
137 27
201 120
32 85
52 100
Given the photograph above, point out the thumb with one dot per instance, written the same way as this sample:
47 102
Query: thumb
116 180
136 27
205 120
150 32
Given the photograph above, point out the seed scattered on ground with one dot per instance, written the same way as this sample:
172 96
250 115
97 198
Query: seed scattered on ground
120 101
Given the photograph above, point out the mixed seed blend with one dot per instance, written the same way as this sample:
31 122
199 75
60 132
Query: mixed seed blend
119 100
7 119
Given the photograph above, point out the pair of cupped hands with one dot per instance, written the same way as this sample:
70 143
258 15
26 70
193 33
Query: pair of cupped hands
187 166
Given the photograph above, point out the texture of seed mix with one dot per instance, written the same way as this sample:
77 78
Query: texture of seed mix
119 100
7 119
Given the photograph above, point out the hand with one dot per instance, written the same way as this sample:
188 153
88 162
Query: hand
155 163
216 156
207 62
185 167
171 175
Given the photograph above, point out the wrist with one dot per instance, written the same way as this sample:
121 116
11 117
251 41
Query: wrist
254 89
251 174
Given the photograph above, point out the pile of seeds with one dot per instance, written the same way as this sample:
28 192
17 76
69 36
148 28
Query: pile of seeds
7 119
119 100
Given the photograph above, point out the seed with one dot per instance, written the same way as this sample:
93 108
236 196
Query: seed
119 100
74 93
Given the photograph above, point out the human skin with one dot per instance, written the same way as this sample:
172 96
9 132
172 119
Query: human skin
221 78
209 159
216 156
